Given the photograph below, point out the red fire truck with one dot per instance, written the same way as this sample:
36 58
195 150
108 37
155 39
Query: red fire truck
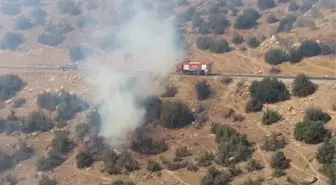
194 68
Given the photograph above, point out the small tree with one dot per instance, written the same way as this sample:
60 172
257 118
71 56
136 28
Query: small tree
325 49
316 114
286 24
275 56
204 42
175 115
269 90
310 48
49 163
237 39
253 165
11 41
272 19
326 154
295 55
270 117
302 86
50 40
19 102
121 182
251 13
273 142
205 159
293 6
203 90
84 160
80 53
38 121
45 180
61 144
266 4
24 23
68 7
215 176
10 85
11 9
221 46
153 166
279 161
253 42
253 105
311 132
182 152
38 16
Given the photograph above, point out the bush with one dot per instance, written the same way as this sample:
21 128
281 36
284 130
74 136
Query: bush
175 115
24 23
61 144
293 6
221 46
218 23
62 27
326 153
192 167
121 182
153 166
38 16
197 20
252 182
247 20
215 176
205 159
271 19
6 161
19 102
269 90
326 49
87 22
10 85
233 147
80 53
118 163
253 105
279 161
311 132
50 40
204 43
286 24
253 165
153 106
37 121
66 104
295 55
237 39
84 160
147 145
330 170
310 48
316 114
9 179
182 152
68 7
203 90
176 165
170 91
11 9
11 41
273 143
181 2
226 80
47 181
270 117
275 56
266 4
49 163
253 42
302 86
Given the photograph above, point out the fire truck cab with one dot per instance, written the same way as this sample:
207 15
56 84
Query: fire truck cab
194 68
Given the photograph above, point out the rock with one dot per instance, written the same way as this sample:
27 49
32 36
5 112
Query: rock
310 180
8 101
34 134
39 174
182 134
24 136
270 178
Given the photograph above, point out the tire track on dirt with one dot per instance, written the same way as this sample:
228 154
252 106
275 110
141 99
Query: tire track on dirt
176 177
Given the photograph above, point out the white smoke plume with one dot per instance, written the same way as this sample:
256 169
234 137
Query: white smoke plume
152 45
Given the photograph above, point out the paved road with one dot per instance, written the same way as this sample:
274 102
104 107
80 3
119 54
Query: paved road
252 76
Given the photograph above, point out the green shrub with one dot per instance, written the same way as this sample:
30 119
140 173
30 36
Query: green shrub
45 180
252 182
153 106
10 85
121 182
276 56
218 23
147 145
302 86
204 42
68 7
251 13
80 53
269 90
87 22
270 117
311 132
253 105
215 176
9 179
197 20
293 6
61 144
11 9
50 40
84 160
192 167
172 166
253 42
175 115
182 152
38 16
247 20
6 161
295 55
237 39
316 114
19 102
266 4
203 90
205 159
170 91
330 171
310 48
49 163
272 143
153 166
326 49
233 147
253 165
24 23
279 161
119 163
271 19
37 121
286 24
221 46
326 153
11 41
60 28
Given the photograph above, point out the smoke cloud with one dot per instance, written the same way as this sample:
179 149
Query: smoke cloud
151 43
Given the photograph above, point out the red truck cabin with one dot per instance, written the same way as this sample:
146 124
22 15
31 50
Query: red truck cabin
194 67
